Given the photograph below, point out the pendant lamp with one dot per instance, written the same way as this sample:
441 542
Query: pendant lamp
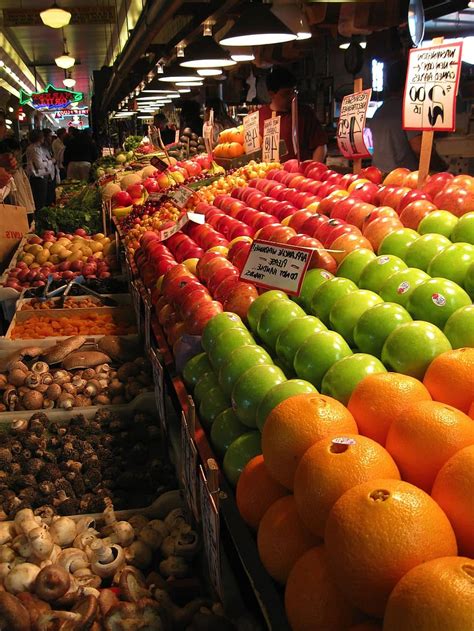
176 73
206 53
209 72
55 17
68 81
257 26
65 61
293 16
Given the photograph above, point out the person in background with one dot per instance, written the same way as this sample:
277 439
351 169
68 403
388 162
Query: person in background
191 117
59 147
79 155
167 134
281 86
222 120
7 160
40 170
48 140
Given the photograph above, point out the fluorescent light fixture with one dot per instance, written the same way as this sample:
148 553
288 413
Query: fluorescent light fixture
172 96
257 26
293 17
189 84
206 53
184 90
65 61
209 72
176 73
55 17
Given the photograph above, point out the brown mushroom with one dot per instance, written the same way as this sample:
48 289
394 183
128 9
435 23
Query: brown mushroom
35 606
13 615
107 599
17 377
118 348
58 352
32 400
134 616
88 609
52 583
84 359
132 586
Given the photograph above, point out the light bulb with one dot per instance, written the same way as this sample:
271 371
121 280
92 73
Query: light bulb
55 17
65 61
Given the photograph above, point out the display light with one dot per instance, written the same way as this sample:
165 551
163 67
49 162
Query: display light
189 84
55 17
258 26
206 53
293 16
184 90
158 92
209 72
176 73
65 61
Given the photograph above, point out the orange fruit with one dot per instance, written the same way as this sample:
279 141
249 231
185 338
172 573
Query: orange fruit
434 595
450 378
294 425
471 410
366 626
333 466
235 149
312 600
452 489
425 437
256 491
376 532
282 538
379 399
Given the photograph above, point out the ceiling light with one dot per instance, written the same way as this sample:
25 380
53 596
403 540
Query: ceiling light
206 53
172 96
293 17
179 50
65 60
55 17
344 45
68 81
257 26
184 90
175 73
189 84
209 72
158 91
145 117
242 54
10 109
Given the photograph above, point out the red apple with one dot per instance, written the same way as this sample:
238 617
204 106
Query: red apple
376 213
343 205
241 256
377 230
313 224
262 219
218 275
193 300
338 231
225 287
393 198
457 200
412 196
151 185
207 258
315 170
284 209
239 299
396 177
120 199
135 191
371 173
415 211
292 166
325 228
298 219
266 231
194 325
365 191
282 234
241 229
358 213
346 243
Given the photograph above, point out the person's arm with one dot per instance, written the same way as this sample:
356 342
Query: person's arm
319 154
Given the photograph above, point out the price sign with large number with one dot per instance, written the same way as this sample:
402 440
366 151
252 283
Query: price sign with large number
271 140
429 101
211 533
350 129
251 132
189 467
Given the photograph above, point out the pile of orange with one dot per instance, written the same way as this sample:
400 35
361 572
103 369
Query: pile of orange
379 504
231 143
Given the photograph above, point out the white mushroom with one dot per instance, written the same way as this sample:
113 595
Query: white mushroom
25 520
106 559
21 578
41 543
5 569
21 545
85 538
139 555
63 531
7 532
73 560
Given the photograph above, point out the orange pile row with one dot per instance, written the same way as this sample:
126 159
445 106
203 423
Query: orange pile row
69 303
231 143
39 326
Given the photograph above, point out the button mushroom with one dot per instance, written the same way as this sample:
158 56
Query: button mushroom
72 560
52 582
63 531
132 586
21 578
106 560
139 554
145 614
13 615
41 543
174 567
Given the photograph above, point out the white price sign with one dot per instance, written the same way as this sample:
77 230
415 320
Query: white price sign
429 101
189 467
182 196
251 132
211 533
276 266
169 232
350 129
271 140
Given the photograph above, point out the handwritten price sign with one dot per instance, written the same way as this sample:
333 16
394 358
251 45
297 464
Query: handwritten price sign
350 129
251 132
271 140
169 232
429 101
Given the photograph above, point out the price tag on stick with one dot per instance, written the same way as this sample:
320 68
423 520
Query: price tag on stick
251 132
350 129
271 140
211 532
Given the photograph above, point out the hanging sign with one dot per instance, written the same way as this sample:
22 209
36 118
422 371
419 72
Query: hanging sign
350 129
429 101
271 140
51 98
159 164
276 266
251 132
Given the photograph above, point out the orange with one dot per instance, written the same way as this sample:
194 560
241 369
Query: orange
471 410
282 538
333 466
235 149
452 490
256 491
294 425
312 600
366 626
376 532
450 378
379 399
425 437
434 596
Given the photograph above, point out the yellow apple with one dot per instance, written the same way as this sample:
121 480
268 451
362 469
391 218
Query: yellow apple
220 249
355 183
243 237
191 265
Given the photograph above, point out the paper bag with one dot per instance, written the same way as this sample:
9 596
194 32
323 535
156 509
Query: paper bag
13 227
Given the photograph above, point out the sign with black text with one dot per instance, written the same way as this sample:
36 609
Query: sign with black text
251 132
159 164
169 232
181 196
276 266
351 125
271 140
429 101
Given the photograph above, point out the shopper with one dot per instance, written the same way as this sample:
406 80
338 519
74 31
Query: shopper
191 117
41 170
167 134
19 193
58 151
222 119
312 139
79 155
48 141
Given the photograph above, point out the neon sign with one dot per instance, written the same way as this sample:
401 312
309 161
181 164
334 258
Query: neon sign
51 98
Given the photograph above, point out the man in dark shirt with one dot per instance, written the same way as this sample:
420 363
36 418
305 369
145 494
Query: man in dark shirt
281 85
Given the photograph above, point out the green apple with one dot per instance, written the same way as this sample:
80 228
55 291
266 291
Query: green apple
241 451
352 265
293 336
469 281
286 368
212 405
459 329
276 317
439 222
318 354
204 384
464 230
343 376
424 249
346 312
411 348
325 296
398 241
225 429
378 270
313 279
278 394
260 304
436 300
376 324
195 368
398 287
250 389
217 324
226 342
453 262
240 360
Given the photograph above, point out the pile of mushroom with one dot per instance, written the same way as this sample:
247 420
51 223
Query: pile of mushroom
70 467
71 374
70 574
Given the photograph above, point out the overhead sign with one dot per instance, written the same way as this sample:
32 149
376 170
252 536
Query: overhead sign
77 111
350 129
251 132
50 99
429 101
276 266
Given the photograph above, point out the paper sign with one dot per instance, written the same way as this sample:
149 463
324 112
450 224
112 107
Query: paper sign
155 197
159 381
137 303
147 322
429 101
251 132
189 467
159 164
169 232
211 533
295 126
197 217
181 196
276 266
271 140
350 129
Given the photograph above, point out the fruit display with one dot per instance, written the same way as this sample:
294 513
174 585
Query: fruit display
74 206
230 143
42 326
190 144
87 302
